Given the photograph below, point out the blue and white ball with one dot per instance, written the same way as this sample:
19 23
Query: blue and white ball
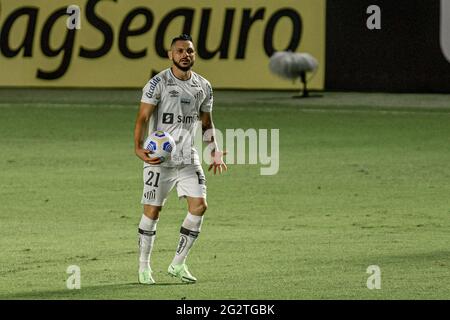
161 144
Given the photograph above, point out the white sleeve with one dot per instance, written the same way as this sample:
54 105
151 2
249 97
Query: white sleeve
208 102
151 93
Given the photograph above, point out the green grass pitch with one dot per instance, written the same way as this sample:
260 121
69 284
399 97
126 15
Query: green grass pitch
363 180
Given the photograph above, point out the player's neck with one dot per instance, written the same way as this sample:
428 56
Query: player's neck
180 74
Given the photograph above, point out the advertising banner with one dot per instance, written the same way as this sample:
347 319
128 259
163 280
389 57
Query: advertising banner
121 43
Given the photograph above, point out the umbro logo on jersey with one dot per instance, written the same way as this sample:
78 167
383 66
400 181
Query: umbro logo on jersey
174 93
167 118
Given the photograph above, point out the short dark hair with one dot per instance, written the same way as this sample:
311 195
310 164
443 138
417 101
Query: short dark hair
183 37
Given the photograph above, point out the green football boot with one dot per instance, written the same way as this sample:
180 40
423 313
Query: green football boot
145 277
181 272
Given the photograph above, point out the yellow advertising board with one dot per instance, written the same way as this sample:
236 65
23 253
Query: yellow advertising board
121 43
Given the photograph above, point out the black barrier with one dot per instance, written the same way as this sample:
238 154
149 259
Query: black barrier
405 55
226 309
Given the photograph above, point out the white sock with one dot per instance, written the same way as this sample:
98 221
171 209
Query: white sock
147 233
188 233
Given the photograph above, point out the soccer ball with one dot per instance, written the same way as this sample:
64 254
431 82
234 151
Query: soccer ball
161 144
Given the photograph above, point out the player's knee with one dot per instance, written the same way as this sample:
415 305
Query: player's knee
199 208
152 212
203 207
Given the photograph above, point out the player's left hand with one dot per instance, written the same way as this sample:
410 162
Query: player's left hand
217 161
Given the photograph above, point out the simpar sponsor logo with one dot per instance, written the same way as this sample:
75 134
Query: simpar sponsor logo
187 119
185 101
167 118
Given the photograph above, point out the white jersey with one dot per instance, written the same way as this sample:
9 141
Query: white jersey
178 106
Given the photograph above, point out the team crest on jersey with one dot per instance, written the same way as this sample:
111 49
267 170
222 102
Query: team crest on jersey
174 94
171 82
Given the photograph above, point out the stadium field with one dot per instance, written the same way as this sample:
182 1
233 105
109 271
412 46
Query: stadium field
363 180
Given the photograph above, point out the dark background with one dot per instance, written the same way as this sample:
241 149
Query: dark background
404 56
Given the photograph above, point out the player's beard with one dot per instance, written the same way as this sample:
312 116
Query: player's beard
183 68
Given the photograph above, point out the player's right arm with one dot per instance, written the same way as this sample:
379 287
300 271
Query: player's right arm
143 116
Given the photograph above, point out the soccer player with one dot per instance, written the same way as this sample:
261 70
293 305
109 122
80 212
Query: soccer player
173 101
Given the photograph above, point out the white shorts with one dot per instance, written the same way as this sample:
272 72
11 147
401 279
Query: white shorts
159 181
